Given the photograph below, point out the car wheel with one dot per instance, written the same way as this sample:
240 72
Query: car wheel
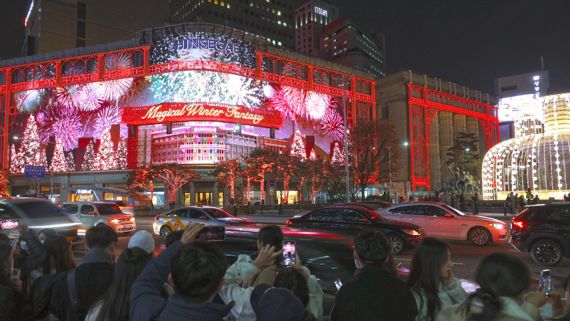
546 252
165 231
398 243
479 236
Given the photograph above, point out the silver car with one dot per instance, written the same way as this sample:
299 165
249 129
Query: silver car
94 213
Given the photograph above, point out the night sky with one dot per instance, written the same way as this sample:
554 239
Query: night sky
469 42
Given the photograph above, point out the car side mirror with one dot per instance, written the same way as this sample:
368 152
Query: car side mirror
448 215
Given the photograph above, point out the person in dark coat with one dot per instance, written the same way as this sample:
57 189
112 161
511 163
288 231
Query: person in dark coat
196 272
12 303
475 201
375 293
92 277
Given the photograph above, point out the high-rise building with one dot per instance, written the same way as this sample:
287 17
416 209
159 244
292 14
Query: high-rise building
523 84
310 21
271 20
57 25
343 43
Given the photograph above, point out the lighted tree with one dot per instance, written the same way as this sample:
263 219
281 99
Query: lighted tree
298 146
58 161
122 154
284 172
16 161
259 163
313 156
89 157
31 151
174 177
70 161
227 173
141 178
318 172
4 181
364 138
106 158
338 156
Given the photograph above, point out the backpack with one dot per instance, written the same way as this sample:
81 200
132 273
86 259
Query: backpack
41 294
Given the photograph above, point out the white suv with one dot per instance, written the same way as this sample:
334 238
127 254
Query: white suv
95 213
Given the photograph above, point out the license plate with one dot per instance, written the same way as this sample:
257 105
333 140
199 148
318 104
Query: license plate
127 227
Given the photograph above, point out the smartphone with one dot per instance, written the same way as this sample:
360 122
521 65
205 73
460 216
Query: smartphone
212 233
338 284
546 281
15 274
289 253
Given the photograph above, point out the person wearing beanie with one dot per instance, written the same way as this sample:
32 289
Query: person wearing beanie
143 240
276 304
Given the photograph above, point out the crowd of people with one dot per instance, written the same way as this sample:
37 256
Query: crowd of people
190 281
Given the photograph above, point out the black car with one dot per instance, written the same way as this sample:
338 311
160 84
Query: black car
543 231
352 219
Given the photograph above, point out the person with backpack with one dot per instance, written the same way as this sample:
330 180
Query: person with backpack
77 290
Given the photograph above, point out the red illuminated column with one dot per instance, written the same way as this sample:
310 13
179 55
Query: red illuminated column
132 147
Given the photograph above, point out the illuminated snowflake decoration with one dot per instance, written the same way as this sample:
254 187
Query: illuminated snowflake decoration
89 97
69 96
62 124
106 117
29 100
332 125
194 54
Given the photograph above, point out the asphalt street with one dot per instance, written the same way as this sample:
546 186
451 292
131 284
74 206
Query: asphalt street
465 256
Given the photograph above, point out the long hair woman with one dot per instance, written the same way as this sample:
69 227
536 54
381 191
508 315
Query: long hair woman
504 280
11 297
59 255
114 305
432 281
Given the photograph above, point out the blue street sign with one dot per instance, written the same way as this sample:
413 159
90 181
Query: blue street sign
34 171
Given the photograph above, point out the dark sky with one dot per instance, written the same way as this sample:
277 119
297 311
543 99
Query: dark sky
469 42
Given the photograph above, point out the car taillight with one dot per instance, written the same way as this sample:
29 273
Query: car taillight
288 223
519 224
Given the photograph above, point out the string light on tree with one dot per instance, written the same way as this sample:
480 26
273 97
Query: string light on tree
58 161
89 157
105 159
298 146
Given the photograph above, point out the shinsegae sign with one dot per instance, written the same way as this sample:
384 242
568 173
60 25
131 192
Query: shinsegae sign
181 112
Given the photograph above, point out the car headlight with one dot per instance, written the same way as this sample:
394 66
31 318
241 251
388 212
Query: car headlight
498 226
412 232
115 221
132 219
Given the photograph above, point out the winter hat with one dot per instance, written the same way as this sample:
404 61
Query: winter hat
143 240
276 304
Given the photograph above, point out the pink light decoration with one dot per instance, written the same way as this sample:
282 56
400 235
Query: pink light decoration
316 105
89 98
64 125
332 125
113 90
69 96
295 103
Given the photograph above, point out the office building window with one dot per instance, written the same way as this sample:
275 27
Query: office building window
81 29
81 11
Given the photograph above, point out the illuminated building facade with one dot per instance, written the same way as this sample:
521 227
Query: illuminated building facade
193 94
428 114
538 157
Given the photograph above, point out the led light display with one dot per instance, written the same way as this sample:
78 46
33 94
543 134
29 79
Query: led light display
536 159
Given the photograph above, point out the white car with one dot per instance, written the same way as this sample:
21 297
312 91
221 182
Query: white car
443 221
94 213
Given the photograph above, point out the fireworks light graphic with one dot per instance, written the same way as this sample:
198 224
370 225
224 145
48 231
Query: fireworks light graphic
89 97
194 54
69 96
332 125
63 124
106 117
316 105
295 103
29 100
113 90
244 91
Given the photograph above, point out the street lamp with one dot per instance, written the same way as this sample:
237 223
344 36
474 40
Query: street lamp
406 144
467 150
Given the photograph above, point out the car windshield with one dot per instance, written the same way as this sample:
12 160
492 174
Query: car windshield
39 209
217 212
108 209
454 210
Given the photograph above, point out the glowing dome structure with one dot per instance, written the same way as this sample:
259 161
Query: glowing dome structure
538 158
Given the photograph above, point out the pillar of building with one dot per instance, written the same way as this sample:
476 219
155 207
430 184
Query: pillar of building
446 136
192 193
215 192
434 155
